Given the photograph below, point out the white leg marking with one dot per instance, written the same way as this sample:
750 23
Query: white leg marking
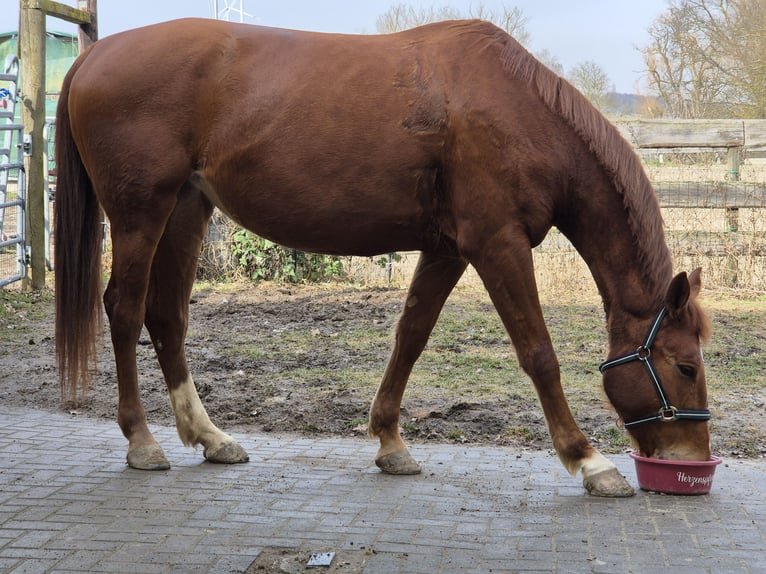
595 464
192 422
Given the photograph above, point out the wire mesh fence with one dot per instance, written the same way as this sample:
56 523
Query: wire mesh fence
716 224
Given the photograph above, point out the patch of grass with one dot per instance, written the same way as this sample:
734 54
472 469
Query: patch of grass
15 303
613 437
734 357
455 434
19 309
520 433
308 428
409 427
469 351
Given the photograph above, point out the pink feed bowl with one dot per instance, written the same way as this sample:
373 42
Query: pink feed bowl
675 476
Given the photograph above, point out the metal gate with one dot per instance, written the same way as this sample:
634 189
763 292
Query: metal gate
12 179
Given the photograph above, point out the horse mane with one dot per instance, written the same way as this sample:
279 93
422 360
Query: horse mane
611 150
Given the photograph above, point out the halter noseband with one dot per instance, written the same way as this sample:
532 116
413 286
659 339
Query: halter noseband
667 412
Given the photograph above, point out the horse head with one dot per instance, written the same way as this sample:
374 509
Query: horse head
659 389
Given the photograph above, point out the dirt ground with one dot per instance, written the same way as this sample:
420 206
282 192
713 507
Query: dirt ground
254 371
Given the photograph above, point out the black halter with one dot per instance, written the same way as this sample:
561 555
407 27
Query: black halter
667 412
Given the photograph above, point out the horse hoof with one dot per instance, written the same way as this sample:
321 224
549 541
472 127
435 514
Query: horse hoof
609 483
399 462
148 457
227 453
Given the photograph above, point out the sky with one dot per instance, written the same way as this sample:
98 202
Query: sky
607 32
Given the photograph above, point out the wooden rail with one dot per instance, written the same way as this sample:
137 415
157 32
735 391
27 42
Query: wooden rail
674 134
717 194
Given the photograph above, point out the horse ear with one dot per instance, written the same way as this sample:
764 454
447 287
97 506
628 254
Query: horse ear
678 294
695 282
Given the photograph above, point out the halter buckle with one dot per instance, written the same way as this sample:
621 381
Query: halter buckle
643 353
668 414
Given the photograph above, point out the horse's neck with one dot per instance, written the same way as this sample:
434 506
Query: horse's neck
631 284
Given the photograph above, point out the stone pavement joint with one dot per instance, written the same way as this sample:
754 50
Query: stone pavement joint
70 504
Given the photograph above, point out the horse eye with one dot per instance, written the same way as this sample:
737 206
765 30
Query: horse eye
687 371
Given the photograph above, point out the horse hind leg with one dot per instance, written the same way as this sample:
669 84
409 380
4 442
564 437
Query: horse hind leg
124 301
434 279
167 314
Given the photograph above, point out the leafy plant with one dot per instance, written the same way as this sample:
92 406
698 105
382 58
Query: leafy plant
262 259
386 260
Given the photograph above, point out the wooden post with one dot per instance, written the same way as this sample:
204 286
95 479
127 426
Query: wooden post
88 32
733 160
732 219
32 36
731 259
32 56
731 265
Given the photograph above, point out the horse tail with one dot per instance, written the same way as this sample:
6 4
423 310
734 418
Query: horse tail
78 234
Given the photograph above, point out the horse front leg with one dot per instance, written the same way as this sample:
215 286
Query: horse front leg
506 268
167 316
434 279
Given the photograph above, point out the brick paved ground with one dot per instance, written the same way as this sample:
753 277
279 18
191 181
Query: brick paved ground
69 504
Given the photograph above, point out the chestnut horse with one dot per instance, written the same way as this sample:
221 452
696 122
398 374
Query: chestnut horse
449 139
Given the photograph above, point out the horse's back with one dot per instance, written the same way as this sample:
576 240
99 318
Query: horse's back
194 56
225 71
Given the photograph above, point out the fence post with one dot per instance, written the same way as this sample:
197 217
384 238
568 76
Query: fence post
731 259
32 56
88 32
32 36
733 161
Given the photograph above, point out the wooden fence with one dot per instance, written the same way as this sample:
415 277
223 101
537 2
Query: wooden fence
676 134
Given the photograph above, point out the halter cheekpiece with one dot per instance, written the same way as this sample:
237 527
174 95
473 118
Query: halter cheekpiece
667 412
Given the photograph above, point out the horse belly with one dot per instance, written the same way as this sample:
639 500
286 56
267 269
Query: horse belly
324 219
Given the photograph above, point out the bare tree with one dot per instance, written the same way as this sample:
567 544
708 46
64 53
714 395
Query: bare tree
549 59
512 20
594 83
675 60
739 36
708 58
